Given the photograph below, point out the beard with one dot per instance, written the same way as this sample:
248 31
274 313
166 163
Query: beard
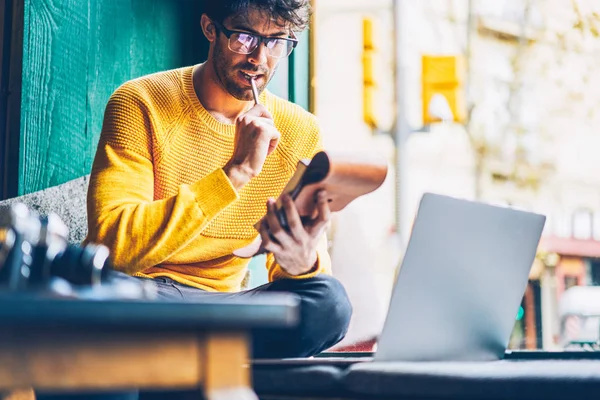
226 75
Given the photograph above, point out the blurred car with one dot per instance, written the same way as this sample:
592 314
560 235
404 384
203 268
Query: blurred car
579 312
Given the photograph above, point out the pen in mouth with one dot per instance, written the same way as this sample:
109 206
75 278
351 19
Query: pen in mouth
254 91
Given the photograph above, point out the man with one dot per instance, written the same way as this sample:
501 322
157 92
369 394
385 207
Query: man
187 162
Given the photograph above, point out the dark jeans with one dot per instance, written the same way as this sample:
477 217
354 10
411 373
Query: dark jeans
325 312
324 316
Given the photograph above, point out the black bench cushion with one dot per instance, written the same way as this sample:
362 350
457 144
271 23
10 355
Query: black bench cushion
68 201
319 380
494 380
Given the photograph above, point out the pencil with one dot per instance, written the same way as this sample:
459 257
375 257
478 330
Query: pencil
254 91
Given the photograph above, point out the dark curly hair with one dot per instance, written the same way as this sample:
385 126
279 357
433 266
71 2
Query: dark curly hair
294 13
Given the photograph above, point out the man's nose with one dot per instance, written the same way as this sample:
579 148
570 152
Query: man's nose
259 55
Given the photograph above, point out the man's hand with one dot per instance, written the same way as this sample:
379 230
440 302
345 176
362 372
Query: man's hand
295 251
255 138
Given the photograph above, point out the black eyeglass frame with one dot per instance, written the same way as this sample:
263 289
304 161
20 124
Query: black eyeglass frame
261 39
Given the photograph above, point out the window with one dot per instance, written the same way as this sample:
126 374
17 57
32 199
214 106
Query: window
583 225
597 225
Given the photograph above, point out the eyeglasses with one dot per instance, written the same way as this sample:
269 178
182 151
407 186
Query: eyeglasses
245 43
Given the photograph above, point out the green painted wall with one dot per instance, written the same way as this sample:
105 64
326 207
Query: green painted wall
299 82
77 52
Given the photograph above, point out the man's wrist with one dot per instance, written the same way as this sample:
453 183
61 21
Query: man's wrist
308 270
238 175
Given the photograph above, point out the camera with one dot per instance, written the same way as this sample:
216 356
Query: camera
34 250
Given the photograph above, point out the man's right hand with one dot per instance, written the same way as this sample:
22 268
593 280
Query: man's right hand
255 138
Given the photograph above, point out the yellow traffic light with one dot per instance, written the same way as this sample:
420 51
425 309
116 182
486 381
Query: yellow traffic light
369 40
443 97
369 79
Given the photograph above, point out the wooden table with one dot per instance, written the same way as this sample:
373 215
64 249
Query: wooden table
81 345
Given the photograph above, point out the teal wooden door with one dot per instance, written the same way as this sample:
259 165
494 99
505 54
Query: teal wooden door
76 53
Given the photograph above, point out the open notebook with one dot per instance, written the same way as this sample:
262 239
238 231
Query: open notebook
345 177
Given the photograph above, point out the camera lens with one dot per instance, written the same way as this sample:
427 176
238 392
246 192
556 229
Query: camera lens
88 265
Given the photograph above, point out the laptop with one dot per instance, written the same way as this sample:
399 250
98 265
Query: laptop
460 284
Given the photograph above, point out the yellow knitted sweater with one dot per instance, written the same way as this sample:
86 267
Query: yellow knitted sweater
158 197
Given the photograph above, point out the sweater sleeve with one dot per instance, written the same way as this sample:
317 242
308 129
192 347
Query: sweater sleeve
122 213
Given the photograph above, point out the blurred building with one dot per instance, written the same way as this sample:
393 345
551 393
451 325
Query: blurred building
531 141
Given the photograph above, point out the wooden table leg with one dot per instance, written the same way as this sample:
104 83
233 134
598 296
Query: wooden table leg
26 394
68 361
227 372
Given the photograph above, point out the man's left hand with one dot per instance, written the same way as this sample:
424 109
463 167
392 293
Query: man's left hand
295 251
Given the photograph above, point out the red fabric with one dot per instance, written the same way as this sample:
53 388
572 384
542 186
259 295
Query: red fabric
363 346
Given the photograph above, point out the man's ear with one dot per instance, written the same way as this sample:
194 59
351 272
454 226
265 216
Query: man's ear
208 27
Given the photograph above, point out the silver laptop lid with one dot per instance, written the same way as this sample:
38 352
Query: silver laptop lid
461 282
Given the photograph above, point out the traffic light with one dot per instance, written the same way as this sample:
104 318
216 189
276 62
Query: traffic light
369 79
520 313
443 97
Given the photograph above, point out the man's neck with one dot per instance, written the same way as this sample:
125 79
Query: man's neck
214 98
